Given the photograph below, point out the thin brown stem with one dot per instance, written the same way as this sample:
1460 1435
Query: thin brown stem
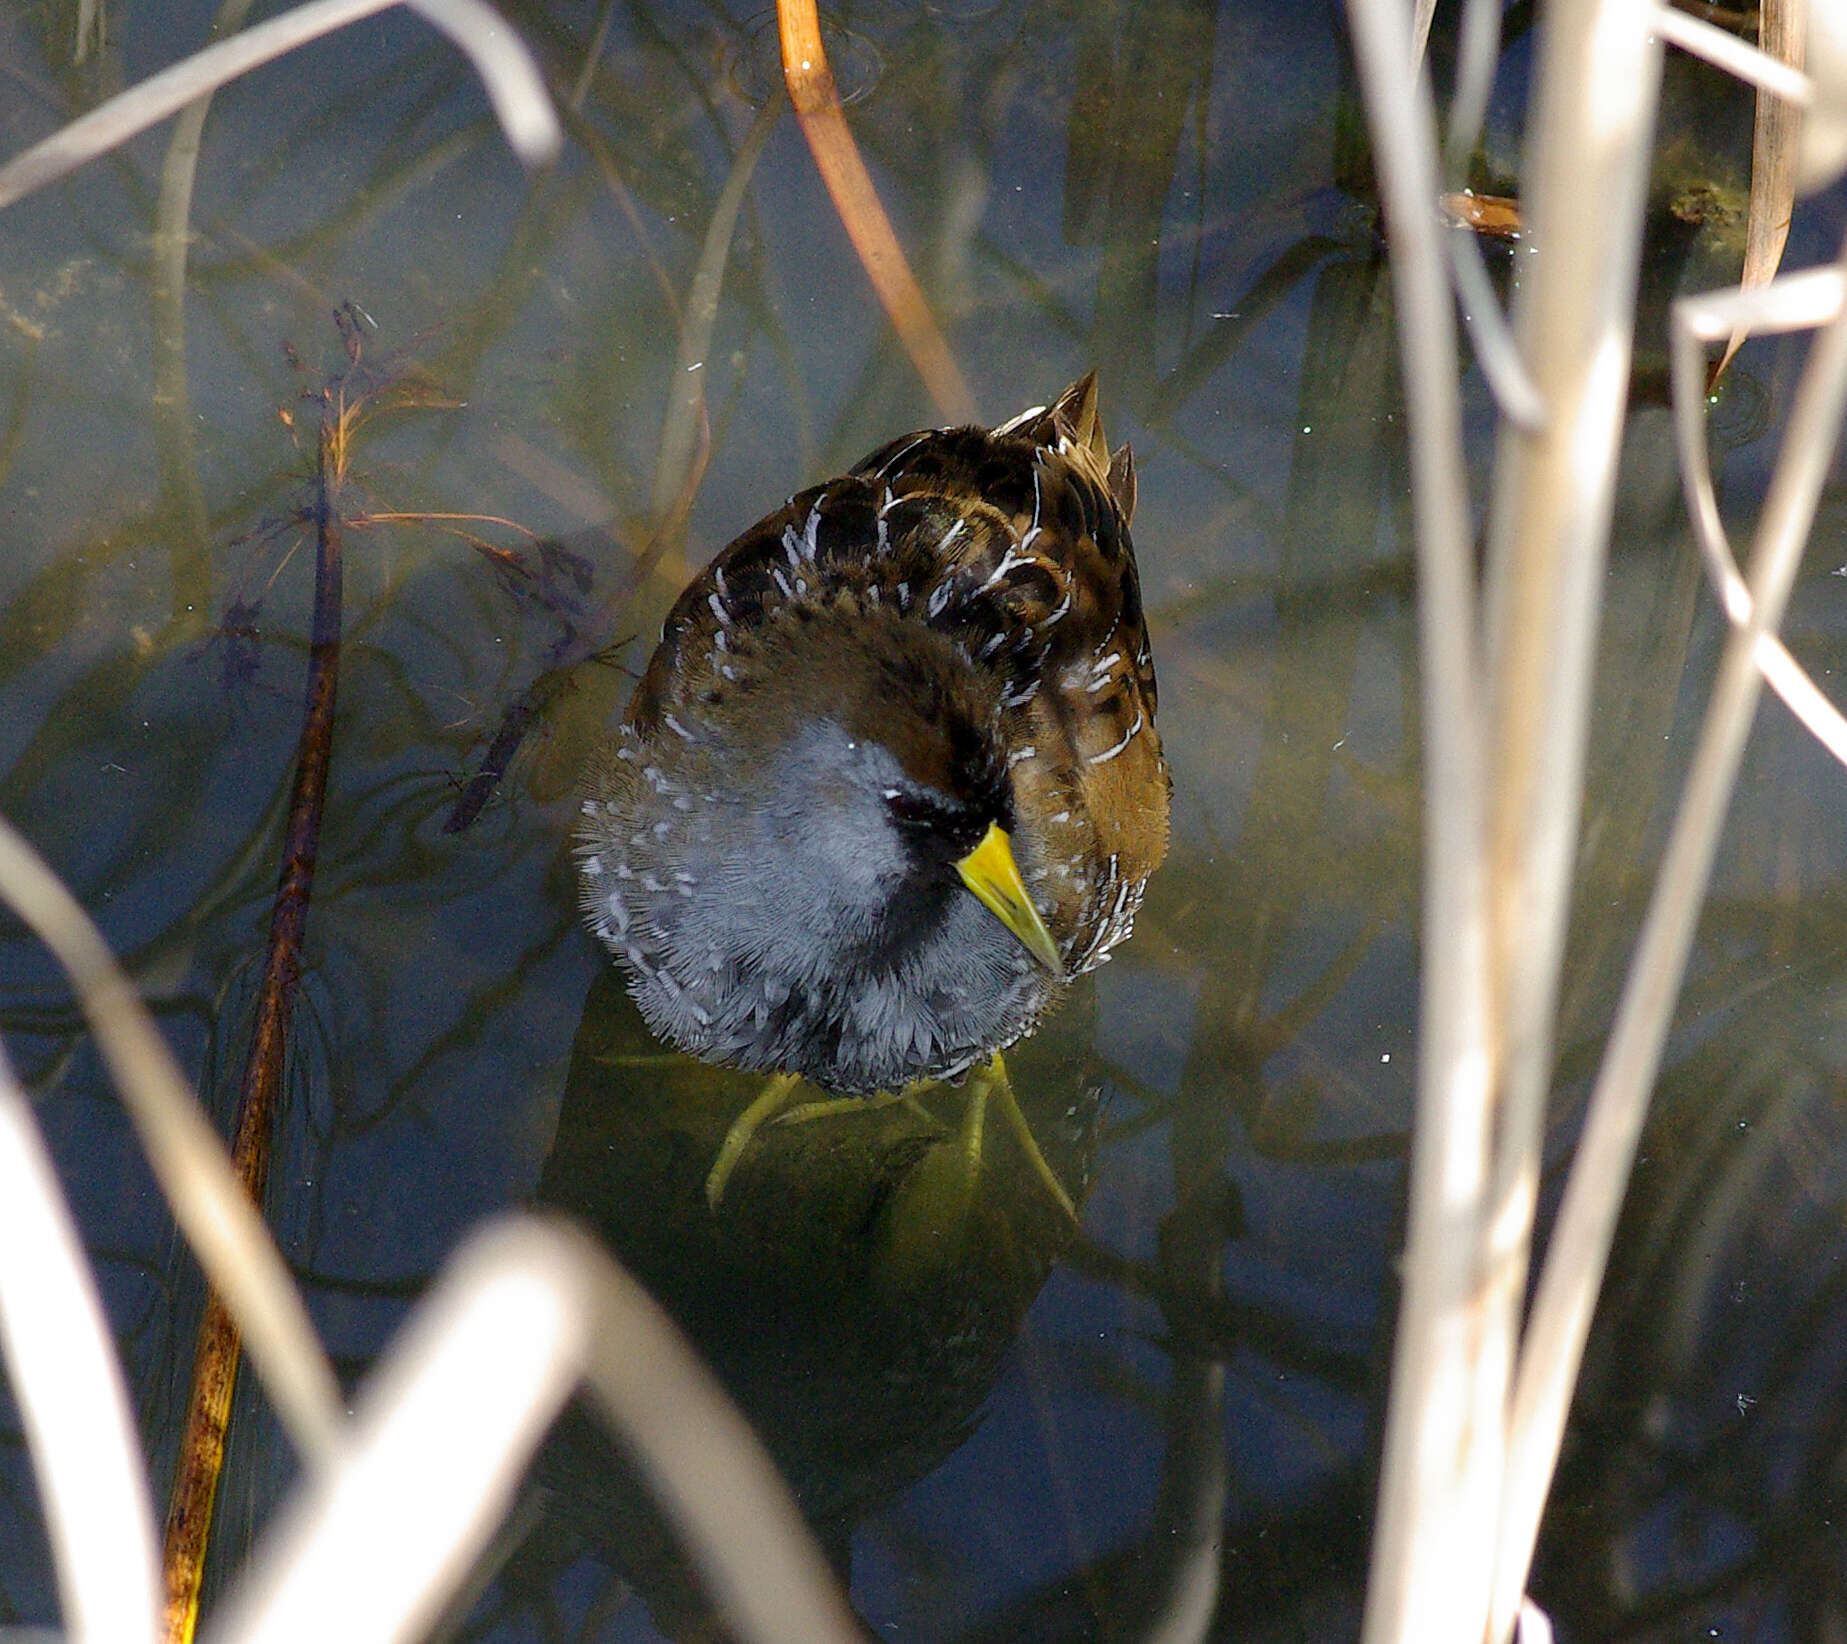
215 1360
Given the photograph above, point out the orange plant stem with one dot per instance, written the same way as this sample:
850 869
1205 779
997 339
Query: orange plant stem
830 140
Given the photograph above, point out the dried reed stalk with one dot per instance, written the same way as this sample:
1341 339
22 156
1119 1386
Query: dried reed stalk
1782 33
836 155
1482 1091
1592 121
1430 1549
1579 1248
59 1357
369 1549
213 1212
513 83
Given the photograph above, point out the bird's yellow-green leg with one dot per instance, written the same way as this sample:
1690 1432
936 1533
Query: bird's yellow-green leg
948 1179
829 1106
939 1194
926 1226
856 1104
993 1080
778 1091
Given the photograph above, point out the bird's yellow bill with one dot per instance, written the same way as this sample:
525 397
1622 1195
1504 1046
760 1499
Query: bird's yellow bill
991 873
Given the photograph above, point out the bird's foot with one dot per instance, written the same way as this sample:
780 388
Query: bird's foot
937 1202
852 1104
778 1091
957 1168
992 1081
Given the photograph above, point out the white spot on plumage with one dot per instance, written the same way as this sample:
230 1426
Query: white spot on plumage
678 729
900 454
1128 736
1014 424
1010 561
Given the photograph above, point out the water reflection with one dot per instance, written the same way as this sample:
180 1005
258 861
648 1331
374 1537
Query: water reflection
857 1290
756 63
1703 1486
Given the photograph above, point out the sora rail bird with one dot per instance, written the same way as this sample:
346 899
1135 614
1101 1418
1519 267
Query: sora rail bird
891 778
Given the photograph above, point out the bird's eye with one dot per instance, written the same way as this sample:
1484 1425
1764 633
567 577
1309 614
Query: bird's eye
912 810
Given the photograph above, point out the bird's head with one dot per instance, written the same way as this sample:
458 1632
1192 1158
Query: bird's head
829 811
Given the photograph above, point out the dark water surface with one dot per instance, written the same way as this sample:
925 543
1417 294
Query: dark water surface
986 1425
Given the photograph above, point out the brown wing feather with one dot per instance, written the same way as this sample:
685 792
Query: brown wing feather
1030 539
1016 543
